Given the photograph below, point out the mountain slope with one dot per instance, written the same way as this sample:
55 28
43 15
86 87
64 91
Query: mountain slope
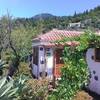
43 16
45 22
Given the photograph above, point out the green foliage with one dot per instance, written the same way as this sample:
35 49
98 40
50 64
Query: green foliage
36 90
12 89
22 39
5 87
2 66
74 75
75 71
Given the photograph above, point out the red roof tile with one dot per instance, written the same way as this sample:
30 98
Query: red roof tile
57 35
50 37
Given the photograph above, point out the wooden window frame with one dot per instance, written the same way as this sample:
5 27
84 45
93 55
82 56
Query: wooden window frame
35 55
97 60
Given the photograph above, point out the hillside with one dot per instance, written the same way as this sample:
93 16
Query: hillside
43 16
44 22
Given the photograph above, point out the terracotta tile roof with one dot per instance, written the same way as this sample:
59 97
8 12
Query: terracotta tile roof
49 38
57 35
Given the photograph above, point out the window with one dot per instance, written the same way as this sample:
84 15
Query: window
97 54
48 53
35 55
41 49
47 49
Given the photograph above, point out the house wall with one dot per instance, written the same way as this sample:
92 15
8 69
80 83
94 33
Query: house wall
94 68
49 62
35 67
41 61
45 62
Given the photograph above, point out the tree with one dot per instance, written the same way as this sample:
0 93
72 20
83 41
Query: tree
18 40
4 36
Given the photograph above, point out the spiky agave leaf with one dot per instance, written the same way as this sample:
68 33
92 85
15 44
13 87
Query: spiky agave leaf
12 92
6 88
2 82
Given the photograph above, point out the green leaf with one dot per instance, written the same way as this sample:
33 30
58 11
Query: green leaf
2 82
6 88
12 92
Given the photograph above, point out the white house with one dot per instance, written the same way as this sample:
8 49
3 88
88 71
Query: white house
47 57
74 25
93 61
47 54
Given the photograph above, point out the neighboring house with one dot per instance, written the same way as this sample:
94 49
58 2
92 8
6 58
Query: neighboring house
47 54
74 25
93 61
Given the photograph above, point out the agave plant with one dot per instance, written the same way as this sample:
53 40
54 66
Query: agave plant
2 63
5 87
10 90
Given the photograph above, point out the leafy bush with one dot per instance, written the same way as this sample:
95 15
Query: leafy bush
75 71
74 76
36 90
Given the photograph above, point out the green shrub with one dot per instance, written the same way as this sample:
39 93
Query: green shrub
74 77
36 90
75 71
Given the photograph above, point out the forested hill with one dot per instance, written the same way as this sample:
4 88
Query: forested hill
44 22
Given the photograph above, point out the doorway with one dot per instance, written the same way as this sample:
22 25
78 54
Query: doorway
58 62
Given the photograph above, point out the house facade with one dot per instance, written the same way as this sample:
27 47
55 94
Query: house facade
93 61
47 53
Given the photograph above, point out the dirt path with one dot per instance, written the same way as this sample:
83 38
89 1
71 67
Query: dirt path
94 95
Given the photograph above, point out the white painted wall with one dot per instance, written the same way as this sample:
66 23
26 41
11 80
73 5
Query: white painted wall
41 59
35 70
93 66
49 63
45 55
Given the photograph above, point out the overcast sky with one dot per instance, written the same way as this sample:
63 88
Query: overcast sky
29 8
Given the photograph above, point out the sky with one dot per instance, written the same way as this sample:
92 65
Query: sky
29 8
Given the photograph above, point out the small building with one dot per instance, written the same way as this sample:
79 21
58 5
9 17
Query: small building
93 61
74 25
47 53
